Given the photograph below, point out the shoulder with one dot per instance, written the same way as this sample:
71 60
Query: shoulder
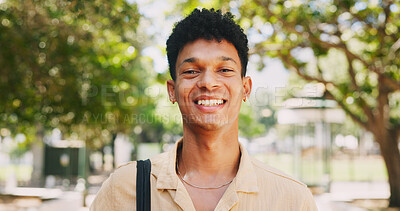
124 176
126 173
119 187
119 190
128 170
124 169
283 186
265 171
159 159
275 177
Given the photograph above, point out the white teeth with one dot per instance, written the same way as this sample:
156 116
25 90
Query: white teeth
210 102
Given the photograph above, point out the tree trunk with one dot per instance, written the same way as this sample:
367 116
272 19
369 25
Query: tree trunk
391 155
37 179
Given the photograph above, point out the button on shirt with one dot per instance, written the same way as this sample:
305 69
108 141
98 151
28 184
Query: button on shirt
255 187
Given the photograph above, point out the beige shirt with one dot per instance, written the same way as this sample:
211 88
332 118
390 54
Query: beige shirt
255 187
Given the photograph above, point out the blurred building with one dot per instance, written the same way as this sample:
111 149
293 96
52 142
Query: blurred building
311 116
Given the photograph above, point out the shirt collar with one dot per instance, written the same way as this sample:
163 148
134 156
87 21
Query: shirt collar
245 180
167 178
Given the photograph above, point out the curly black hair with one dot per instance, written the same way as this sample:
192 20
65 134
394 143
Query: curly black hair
206 24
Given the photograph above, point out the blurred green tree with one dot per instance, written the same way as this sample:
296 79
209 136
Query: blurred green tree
352 47
73 65
250 124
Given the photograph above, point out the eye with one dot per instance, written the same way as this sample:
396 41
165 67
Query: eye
226 70
190 72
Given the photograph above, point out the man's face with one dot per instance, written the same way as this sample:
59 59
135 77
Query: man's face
208 86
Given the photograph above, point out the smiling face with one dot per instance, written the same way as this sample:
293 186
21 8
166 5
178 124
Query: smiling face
208 86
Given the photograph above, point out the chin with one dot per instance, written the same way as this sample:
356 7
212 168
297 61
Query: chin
209 123
209 126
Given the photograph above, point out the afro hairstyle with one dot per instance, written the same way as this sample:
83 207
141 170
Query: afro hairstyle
206 24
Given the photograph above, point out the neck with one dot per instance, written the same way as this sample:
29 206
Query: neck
209 157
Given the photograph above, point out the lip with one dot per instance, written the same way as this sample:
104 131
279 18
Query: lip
209 109
207 97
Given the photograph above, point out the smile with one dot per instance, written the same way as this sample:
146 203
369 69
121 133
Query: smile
210 102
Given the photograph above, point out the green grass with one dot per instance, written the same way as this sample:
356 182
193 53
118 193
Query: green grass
359 169
311 171
22 172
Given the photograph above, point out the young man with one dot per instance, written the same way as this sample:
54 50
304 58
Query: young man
208 168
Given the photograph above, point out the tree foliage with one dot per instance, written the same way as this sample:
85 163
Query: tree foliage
73 65
249 123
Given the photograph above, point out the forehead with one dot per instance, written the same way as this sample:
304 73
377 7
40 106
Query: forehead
208 50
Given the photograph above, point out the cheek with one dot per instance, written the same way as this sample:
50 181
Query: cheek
236 90
183 91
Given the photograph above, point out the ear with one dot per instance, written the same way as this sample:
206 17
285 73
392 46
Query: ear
171 90
247 85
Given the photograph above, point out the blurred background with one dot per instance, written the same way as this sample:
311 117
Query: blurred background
83 90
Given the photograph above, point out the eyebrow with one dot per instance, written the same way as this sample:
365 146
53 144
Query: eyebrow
188 60
224 58
193 60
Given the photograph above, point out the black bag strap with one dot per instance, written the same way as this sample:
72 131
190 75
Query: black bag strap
143 194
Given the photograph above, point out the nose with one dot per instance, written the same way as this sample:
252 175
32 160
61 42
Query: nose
208 80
